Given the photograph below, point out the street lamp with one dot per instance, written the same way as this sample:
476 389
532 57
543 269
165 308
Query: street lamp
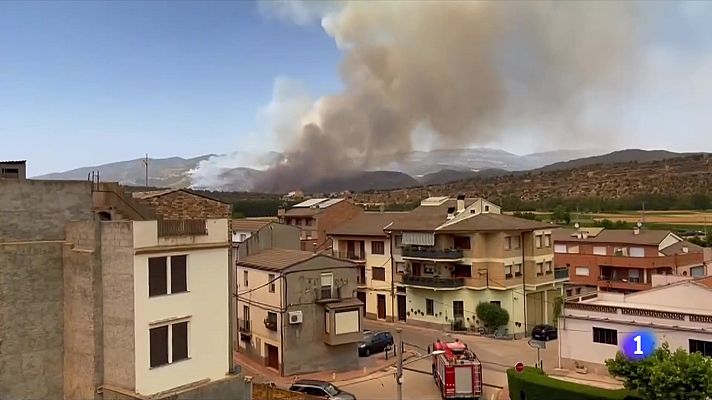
399 374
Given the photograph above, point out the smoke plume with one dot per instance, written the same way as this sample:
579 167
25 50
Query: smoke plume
467 71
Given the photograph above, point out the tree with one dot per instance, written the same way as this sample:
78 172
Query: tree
492 315
666 374
561 214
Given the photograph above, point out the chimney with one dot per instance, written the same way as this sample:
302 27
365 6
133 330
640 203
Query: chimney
460 203
685 249
451 212
636 230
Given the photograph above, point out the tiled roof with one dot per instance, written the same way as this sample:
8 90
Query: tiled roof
13 161
301 212
367 224
249 225
677 248
625 236
495 222
157 193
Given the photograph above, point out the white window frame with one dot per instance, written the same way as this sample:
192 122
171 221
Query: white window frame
600 250
517 269
547 240
508 271
540 268
560 248
579 271
636 252
508 243
547 267
538 241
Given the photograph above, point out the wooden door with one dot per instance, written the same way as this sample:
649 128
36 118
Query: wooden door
272 356
416 269
362 296
381 306
458 309
401 308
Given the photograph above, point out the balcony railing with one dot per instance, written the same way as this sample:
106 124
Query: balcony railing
433 282
432 254
243 325
348 255
561 273
181 227
328 293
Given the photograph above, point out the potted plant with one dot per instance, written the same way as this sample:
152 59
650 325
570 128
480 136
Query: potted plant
581 369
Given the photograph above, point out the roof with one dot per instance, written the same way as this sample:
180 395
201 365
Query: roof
308 203
677 248
427 217
318 203
706 281
157 193
249 225
495 222
344 304
13 161
301 212
279 259
367 224
627 236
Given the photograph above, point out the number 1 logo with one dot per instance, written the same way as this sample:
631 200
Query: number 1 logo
639 345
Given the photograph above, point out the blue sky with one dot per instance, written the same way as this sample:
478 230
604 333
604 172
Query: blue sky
85 83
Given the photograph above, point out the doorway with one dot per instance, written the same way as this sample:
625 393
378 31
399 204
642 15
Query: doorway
272 356
362 297
458 309
401 308
381 306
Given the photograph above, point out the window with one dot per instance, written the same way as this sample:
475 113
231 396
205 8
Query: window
637 252
507 242
540 268
245 279
547 240
507 271
517 269
462 242
377 247
701 346
559 248
272 285
537 241
400 267
573 249
399 240
516 242
578 290
309 222
600 250
605 336
271 321
327 280
243 237
496 303
582 271
429 307
634 276
486 208
463 271
378 273
167 275
569 292
326 321
429 269
168 344
547 267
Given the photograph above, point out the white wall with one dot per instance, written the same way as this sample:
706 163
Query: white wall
206 306
236 236
145 234
258 292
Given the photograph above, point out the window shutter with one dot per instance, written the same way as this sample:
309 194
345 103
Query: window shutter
179 280
159 346
180 341
157 279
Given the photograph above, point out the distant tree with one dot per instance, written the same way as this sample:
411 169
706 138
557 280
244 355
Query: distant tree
666 374
525 215
561 215
700 201
492 315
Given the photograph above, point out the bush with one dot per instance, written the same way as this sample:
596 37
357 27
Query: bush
533 384
492 315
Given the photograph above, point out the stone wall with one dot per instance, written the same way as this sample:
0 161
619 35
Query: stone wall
31 320
38 210
231 388
185 205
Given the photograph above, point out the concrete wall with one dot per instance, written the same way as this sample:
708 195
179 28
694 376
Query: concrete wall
233 387
31 320
275 235
83 356
145 234
53 204
118 302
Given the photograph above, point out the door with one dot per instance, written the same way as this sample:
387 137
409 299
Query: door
272 356
350 250
362 296
401 308
416 269
458 309
381 306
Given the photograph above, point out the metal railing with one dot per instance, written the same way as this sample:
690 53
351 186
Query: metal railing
181 227
327 293
433 281
243 325
349 255
430 253
561 273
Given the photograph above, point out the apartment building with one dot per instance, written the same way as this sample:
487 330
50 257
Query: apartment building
594 326
624 259
101 300
452 254
297 311
364 241
317 216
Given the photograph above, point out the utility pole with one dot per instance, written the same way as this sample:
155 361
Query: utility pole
145 164
399 373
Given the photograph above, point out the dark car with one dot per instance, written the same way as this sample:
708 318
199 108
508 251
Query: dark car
375 342
321 389
544 332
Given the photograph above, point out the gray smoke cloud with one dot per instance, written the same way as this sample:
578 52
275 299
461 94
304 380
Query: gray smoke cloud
468 72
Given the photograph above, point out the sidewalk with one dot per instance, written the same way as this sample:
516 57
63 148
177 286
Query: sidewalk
600 381
367 366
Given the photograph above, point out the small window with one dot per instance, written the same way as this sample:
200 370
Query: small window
179 340
605 336
547 240
486 208
462 242
537 241
179 278
496 303
378 273
243 237
507 271
429 307
701 346
569 292
559 248
600 250
157 276
516 242
547 267
245 280
159 346
517 269
540 268
168 344
507 242
398 240
272 285
378 247
582 271
309 222
327 280
400 267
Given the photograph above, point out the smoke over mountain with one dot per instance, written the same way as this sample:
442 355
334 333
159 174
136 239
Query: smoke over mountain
463 72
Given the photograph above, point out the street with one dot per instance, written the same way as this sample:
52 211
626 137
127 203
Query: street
496 357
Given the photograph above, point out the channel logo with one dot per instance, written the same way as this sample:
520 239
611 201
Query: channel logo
639 345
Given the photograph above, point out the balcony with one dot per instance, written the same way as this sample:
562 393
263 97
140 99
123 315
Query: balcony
607 282
181 227
243 325
271 324
327 294
351 256
433 282
561 273
432 254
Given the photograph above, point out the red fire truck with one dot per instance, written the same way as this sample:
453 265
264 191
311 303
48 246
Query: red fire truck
457 371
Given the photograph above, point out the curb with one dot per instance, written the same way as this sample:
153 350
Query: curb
372 371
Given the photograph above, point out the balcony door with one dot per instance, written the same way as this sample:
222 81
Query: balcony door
381 306
416 269
458 309
351 249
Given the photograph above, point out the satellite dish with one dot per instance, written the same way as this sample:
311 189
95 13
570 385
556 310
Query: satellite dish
576 225
639 224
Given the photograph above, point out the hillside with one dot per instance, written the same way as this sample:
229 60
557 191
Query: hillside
621 156
674 177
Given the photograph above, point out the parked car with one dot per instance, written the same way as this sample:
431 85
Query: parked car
544 332
321 389
375 342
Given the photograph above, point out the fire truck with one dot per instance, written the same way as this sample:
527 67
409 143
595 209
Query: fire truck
457 371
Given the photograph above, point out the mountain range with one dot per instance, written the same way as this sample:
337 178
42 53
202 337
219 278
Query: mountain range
413 169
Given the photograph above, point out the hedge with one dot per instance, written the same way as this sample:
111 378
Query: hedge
533 384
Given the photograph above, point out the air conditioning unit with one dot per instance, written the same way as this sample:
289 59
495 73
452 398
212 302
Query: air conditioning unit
295 317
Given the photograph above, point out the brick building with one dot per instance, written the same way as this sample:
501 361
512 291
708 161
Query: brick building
315 217
183 204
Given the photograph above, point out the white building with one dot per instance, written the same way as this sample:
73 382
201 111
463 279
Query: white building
593 326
